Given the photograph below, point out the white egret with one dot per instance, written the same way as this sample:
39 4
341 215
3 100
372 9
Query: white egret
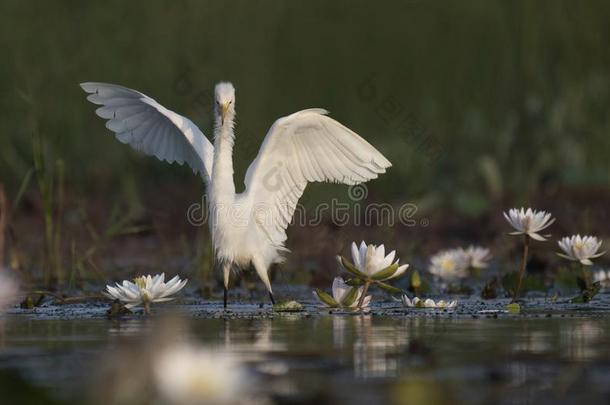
247 228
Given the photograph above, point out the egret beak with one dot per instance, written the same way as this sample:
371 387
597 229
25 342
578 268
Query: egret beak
223 112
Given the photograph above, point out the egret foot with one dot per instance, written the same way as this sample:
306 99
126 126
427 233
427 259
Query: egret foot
272 299
225 297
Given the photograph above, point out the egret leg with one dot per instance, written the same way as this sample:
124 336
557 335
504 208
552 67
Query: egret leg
226 269
261 270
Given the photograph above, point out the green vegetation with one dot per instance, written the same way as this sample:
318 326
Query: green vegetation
478 105
525 85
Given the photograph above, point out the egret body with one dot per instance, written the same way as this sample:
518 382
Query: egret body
247 228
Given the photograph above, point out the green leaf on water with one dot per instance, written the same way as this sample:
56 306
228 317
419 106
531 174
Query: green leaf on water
326 298
596 287
513 308
587 295
289 306
579 299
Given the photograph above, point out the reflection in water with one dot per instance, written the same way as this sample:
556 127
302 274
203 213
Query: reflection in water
581 342
168 366
576 340
186 374
535 342
339 326
131 327
252 342
375 347
338 358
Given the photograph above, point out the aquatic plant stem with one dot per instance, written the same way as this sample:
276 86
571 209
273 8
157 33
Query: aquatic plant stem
585 277
365 289
526 243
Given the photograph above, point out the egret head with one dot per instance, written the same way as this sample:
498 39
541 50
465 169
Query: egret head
224 97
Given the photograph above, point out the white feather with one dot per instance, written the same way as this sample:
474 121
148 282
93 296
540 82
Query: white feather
307 146
150 128
250 227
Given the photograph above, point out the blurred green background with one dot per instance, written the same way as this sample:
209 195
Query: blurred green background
479 104
488 97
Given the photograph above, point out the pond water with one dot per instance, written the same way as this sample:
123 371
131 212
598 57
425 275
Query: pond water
389 356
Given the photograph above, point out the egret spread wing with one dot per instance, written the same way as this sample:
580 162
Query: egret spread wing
147 126
307 146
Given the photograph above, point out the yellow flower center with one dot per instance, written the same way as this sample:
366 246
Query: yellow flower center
140 282
447 264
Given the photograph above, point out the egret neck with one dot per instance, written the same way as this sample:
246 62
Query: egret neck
222 193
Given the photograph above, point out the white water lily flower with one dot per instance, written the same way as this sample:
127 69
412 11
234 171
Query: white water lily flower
8 291
145 290
186 374
449 264
529 222
580 249
371 260
477 257
343 295
602 276
428 303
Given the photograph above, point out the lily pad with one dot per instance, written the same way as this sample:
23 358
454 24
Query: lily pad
288 306
586 295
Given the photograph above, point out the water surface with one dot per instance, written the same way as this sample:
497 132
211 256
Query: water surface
339 358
